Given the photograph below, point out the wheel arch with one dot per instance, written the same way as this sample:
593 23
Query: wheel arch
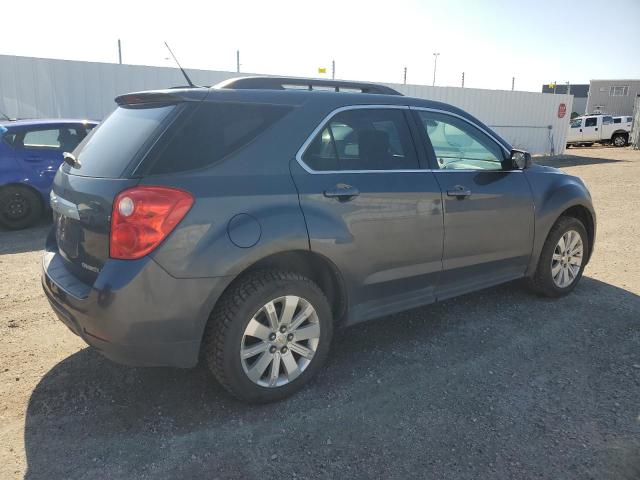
583 214
31 188
562 195
623 132
312 265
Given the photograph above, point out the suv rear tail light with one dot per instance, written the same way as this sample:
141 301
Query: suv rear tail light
142 217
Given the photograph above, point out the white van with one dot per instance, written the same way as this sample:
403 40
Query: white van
589 129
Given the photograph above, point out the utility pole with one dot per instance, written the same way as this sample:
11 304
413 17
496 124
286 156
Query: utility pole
119 52
435 65
462 79
568 88
238 61
333 69
555 84
405 75
513 83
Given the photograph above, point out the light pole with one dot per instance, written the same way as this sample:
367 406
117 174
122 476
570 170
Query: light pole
435 65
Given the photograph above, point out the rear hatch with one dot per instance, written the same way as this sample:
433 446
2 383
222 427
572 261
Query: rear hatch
83 194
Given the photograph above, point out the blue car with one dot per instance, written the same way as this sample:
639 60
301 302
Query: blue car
30 154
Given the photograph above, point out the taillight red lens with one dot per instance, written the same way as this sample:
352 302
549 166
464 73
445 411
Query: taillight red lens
142 217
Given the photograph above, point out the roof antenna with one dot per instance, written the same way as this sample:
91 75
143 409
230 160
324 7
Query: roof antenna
189 82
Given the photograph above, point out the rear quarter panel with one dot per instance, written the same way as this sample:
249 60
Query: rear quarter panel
255 181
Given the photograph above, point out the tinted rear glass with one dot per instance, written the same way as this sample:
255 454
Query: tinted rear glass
110 147
210 132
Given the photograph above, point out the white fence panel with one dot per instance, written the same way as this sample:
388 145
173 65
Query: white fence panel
38 87
521 118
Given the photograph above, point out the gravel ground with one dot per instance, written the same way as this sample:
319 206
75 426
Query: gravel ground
496 384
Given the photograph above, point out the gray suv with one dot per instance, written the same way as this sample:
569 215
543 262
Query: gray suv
242 224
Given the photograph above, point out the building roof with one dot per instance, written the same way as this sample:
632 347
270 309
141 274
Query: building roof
580 90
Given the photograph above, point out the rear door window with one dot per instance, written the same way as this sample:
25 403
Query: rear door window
363 139
42 139
210 132
109 149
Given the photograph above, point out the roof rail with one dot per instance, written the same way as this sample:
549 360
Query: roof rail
296 83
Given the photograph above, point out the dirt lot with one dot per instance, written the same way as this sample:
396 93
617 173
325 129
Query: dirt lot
497 384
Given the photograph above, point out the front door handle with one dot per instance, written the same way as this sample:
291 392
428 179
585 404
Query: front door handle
459 191
342 192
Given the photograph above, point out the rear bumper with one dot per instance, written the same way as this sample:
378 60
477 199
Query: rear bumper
135 313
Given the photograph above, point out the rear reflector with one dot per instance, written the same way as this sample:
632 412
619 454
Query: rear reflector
142 217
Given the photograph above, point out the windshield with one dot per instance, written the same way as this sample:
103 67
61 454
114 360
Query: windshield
109 148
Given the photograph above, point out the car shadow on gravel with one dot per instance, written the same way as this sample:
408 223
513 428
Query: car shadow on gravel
562 161
496 384
27 240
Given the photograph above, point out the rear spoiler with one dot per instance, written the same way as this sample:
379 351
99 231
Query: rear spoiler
162 96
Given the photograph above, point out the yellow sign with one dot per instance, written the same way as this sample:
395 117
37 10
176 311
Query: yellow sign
552 85
322 70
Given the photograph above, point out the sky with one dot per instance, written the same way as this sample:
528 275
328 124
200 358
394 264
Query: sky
491 41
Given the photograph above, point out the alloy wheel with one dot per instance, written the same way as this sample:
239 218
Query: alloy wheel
280 341
567 259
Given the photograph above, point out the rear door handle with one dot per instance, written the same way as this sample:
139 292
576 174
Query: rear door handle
459 191
342 192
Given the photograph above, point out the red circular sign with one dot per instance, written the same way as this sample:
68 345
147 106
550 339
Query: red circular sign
562 110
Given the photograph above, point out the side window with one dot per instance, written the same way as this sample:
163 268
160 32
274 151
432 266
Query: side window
363 139
45 139
458 145
577 123
7 136
607 120
617 120
629 119
211 132
591 122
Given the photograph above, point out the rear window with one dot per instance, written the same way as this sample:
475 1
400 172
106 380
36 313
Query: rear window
108 149
210 132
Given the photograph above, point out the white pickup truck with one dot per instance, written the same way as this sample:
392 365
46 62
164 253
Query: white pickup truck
589 129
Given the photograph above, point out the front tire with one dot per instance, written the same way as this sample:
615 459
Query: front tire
563 258
268 336
20 207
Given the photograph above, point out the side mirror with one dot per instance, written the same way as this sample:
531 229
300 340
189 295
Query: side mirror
520 159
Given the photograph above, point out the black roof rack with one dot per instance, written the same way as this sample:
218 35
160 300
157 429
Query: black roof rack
296 83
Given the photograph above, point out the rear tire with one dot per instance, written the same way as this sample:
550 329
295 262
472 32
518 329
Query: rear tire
558 272
619 140
20 207
241 324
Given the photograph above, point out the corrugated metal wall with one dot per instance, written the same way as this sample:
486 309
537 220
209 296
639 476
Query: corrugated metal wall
522 118
36 87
